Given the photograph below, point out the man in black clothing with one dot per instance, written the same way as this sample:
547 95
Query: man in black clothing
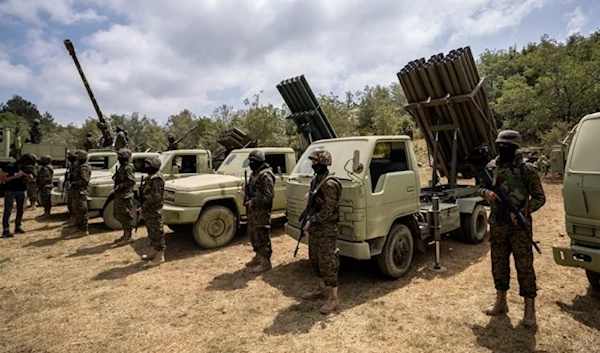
15 188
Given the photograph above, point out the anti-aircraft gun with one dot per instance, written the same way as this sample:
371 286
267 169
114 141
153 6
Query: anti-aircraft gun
107 134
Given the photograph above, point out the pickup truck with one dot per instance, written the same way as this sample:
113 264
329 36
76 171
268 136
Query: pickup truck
100 160
581 197
384 212
101 189
213 205
103 164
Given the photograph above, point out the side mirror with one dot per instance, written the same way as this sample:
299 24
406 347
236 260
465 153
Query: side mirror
357 167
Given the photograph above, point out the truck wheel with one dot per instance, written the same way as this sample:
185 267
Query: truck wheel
181 228
397 253
109 217
215 227
593 278
474 225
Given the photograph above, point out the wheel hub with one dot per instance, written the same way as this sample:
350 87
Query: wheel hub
400 252
216 228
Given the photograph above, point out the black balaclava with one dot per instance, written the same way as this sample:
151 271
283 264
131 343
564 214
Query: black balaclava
255 165
319 169
507 153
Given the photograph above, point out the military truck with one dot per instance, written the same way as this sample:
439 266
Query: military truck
385 213
99 159
104 164
581 193
11 151
212 205
190 162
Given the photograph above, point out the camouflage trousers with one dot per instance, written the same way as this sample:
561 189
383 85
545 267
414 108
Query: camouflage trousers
71 197
505 239
80 208
155 228
32 192
323 253
259 238
44 193
123 211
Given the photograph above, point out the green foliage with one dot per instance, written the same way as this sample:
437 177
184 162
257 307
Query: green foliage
554 136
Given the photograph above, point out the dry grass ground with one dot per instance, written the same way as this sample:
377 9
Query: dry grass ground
79 295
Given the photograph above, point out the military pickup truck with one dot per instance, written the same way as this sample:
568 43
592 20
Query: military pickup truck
101 190
213 205
581 193
98 159
104 164
384 212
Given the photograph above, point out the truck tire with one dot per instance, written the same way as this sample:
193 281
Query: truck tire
181 228
474 225
109 218
215 227
396 256
593 278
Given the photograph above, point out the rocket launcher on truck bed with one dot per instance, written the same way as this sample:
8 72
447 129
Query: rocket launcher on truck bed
305 110
448 101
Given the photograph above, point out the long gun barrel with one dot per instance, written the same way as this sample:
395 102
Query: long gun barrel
306 214
71 51
507 205
186 134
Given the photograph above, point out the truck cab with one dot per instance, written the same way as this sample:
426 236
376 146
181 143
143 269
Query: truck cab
104 164
581 193
212 206
384 212
175 164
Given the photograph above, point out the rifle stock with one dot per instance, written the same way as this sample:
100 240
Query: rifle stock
507 205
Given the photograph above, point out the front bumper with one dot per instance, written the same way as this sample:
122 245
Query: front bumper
360 250
180 215
56 198
577 256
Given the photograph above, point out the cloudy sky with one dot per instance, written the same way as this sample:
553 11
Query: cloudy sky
158 57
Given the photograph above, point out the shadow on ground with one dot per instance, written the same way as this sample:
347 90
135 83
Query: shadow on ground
585 308
180 246
500 336
360 282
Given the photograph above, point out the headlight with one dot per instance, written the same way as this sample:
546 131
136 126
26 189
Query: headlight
169 196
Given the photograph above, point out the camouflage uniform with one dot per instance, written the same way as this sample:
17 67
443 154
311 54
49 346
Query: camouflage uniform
89 143
262 191
30 168
79 183
121 139
36 132
107 139
152 193
124 180
44 183
173 144
66 186
521 182
323 231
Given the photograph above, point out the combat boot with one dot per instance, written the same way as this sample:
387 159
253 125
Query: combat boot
529 314
318 293
265 265
332 302
150 256
255 261
124 240
70 223
158 259
500 307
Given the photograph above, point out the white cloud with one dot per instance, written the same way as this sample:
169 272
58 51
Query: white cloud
174 55
14 75
576 20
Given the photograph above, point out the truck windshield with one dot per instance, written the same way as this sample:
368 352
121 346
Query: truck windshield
235 163
341 152
586 145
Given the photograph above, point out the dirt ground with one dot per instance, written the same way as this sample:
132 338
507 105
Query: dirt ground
79 295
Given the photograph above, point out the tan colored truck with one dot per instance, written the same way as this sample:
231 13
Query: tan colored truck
101 190
213 205
384 211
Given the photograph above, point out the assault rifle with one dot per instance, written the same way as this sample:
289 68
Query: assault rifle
306 213
67 178
141 198
507 206
246 189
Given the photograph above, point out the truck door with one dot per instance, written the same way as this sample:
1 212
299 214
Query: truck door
392 186
276 160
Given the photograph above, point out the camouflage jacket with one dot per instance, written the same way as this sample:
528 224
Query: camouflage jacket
36 134
153 192
327 201
89 143
262 191
81 176
173 146
521 182
44 178
125 180
121 141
